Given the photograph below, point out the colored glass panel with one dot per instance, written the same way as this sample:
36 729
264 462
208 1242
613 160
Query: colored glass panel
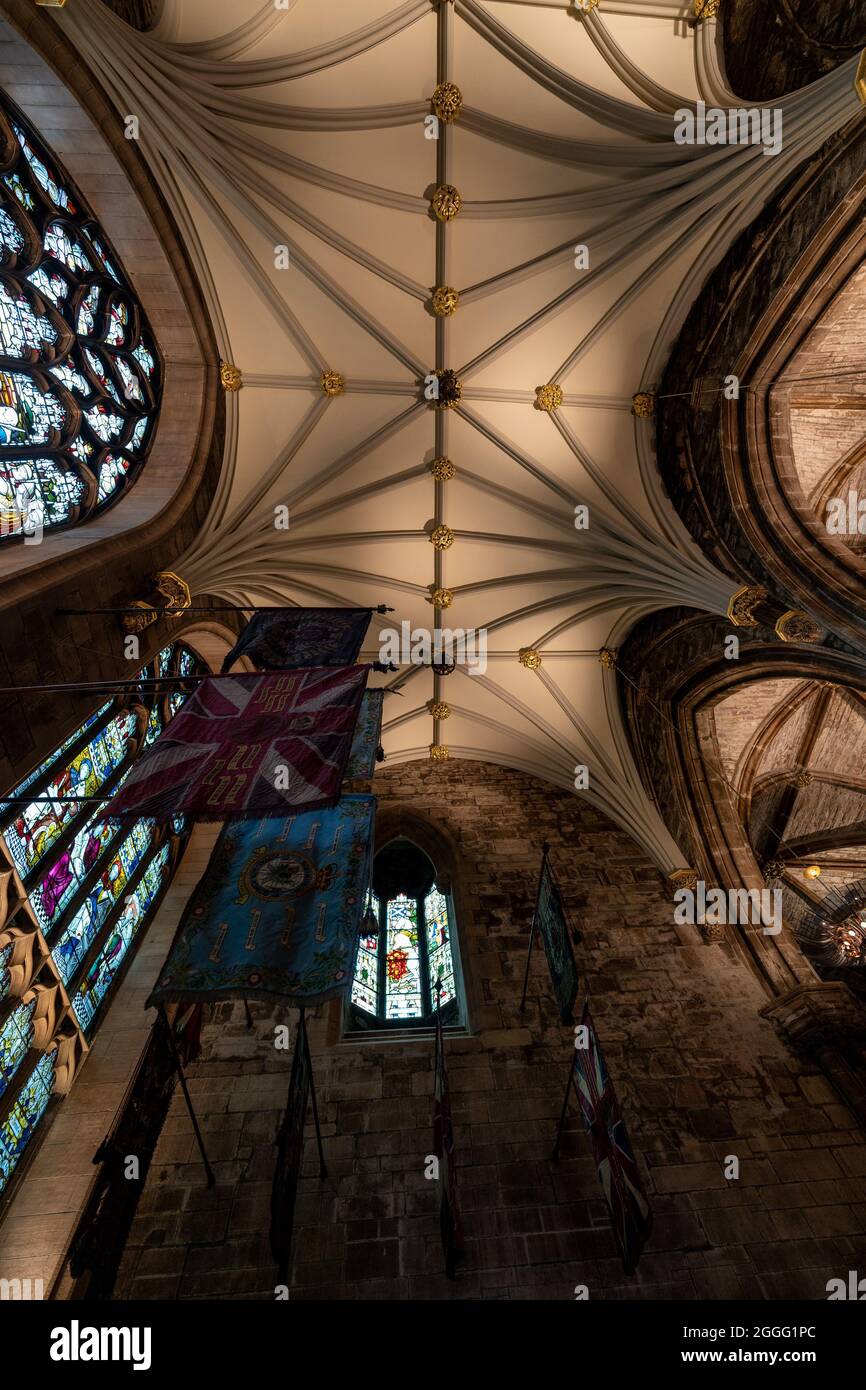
49 283
55 190
103 972
36 827
10 233
365 985
15 1035
439 960
28 415
104 423
22 331
75 941
112 472
5 956
25 1114
16 185
402 964
35 493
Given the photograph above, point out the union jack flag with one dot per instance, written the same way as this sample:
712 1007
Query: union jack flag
618 1174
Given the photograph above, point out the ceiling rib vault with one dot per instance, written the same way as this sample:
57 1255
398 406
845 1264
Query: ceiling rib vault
293 150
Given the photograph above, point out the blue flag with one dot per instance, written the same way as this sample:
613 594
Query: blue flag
278 910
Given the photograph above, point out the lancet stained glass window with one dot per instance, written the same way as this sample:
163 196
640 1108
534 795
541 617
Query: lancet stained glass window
80 373
406 965
92 885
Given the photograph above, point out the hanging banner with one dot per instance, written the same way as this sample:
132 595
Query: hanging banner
443 1147
250 746
368 735
551 922
290 1154
618 1174
285 639
278 910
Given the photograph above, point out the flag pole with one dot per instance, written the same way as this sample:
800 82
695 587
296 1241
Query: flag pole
211 1180
323 1172
544 848
554 1157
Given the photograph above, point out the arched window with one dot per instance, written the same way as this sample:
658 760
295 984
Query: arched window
80 374
411 958
91 887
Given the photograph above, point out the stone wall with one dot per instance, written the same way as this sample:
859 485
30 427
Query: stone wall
699 1075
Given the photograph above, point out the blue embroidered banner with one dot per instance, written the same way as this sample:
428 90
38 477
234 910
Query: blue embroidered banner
368 733
278 910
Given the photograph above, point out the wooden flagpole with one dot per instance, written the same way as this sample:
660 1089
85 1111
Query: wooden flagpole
544 849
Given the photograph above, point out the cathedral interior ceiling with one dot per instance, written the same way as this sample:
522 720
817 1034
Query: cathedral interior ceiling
291 146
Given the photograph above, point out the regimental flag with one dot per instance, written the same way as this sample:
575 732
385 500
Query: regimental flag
551 922
618 1174
250 746
290 1154
278 910
368 733
443 1147
285 639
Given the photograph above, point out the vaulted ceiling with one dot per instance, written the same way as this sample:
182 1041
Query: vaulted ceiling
304 128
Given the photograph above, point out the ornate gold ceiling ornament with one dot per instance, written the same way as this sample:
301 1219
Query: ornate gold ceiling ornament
548 397
445 301
529 657
706 9
445 202
332 383
168 586
447 101
443 469
607 657
683 878
803 778
450 389
439 753
860 78
439 709
643 405
773 870
441 598
797 626
231 378
442 537
742 605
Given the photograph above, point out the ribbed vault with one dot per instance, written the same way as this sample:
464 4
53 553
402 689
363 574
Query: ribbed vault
304 128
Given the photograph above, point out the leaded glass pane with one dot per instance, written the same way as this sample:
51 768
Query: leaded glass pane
5 955
15 1035
440 963
37 826
102 973
25 1114
34 493
365 986
106 331
22 330
74 943
28 415
402 965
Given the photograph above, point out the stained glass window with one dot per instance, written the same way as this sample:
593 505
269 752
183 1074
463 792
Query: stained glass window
405 969
87 391
92 885
15 1034
25 1115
